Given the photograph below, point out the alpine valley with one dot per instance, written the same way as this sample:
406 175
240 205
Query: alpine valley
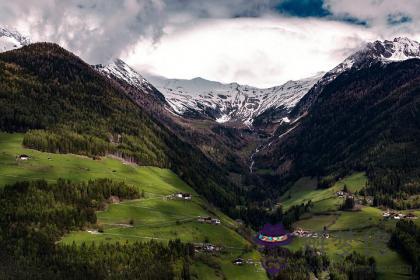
107 173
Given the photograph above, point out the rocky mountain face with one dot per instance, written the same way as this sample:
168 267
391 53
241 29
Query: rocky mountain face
230 103
135 86
121 71
383 52
10 40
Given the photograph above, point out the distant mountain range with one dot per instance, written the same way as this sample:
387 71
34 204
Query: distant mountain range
203 99
241 104
237 104
230 102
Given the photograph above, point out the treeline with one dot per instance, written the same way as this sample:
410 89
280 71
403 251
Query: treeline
394 188
257 216
148 260
31 209
35 215
309 261
406 240
66 142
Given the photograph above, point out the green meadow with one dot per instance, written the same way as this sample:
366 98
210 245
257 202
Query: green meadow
305 189
153 217
364 231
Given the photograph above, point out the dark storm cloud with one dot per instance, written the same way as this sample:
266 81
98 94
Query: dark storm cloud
97 30
303 8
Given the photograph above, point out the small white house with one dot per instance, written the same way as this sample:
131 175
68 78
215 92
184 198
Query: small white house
238 261
410 216
386 214
24 157
184 196
208 220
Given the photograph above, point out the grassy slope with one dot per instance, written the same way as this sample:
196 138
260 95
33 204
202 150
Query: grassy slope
325 200
362 231
154 217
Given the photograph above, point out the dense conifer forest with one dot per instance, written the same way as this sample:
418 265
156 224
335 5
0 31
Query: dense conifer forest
406 240
309 261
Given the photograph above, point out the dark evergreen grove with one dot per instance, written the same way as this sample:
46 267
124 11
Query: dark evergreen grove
300 264
406 240
34 215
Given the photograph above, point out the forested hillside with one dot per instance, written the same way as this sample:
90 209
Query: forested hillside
366 120
225 145
65 106
34 216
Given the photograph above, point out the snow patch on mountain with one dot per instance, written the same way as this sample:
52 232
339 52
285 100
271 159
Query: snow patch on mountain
230 102
10 39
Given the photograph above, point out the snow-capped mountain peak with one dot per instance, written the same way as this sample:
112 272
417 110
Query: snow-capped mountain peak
399 49
10 39
137 87
120 70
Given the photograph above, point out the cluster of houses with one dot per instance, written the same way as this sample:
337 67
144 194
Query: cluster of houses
343 194
358 200
307 234
208 220
180 196
398 216
206 247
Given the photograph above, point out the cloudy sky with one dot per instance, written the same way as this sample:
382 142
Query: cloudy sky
256 42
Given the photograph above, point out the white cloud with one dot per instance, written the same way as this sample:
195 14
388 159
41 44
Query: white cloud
256 51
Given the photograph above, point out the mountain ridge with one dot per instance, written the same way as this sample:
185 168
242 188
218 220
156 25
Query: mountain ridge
230 102
399 49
